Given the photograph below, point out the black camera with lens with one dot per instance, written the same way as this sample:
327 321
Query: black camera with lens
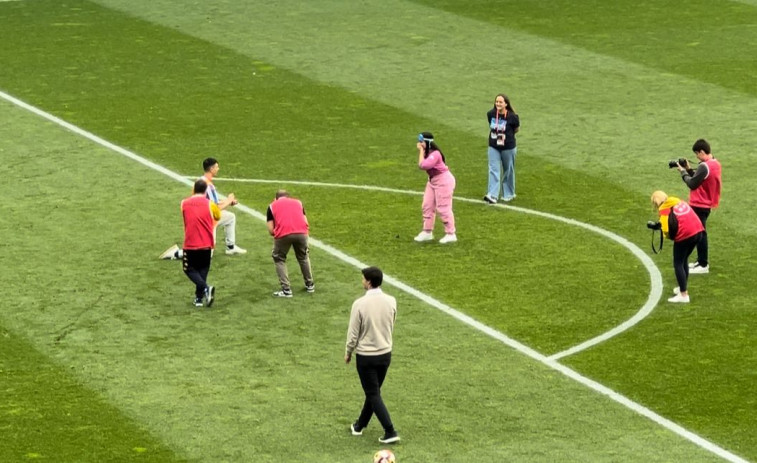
654 225
673 164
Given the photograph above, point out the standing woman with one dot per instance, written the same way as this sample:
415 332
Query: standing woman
439 188
679 222
503 125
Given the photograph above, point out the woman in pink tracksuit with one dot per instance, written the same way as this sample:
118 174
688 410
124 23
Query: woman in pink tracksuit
439 189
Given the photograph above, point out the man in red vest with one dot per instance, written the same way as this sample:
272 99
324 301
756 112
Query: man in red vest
705 183
200 215
289 227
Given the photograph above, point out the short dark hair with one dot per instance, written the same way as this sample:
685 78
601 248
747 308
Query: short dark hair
200 186
701 145
282 194
374 276
208 163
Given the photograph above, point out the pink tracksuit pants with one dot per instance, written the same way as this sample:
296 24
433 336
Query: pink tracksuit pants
438 199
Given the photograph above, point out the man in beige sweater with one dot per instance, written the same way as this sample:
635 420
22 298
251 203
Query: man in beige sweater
369 336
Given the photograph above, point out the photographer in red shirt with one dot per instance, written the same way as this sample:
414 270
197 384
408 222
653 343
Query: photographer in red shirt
704 183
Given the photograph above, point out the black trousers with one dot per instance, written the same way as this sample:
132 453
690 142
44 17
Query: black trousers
196 265
372 371
703 249
681 252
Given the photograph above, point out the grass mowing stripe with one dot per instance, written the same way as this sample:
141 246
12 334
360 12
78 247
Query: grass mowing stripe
613 119
217 383
218 106
656 35
667 424
649 265
47 415
702 379
438 69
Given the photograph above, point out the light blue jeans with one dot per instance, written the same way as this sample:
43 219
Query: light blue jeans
502 173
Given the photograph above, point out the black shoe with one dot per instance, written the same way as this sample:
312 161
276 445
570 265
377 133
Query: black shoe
489 200
356 429
210 295
310 288
390 438
198 302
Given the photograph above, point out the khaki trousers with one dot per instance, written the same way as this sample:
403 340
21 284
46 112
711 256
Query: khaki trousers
281 248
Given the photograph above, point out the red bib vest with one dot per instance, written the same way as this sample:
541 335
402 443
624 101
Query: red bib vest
199 227
288 217
708 193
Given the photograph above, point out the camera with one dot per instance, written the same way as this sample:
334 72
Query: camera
654 225
682 162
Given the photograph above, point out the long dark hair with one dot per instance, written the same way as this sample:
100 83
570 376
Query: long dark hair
430 145
507 102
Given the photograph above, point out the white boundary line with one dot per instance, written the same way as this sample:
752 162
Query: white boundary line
654 273
638 408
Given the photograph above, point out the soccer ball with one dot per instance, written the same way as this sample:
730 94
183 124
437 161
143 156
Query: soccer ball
384 456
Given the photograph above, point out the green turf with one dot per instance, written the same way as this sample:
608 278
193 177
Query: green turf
46 415
605 114
176 99
258 378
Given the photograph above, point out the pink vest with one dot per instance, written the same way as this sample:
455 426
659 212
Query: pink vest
199 226
688 222
708 193
288 217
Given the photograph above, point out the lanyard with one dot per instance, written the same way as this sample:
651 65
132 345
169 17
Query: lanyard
496 122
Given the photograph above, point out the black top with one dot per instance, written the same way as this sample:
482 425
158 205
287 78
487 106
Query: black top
499 126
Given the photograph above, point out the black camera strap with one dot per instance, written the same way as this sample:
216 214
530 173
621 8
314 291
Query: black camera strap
657 250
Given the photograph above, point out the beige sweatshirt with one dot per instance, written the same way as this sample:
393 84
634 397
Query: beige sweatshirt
371 324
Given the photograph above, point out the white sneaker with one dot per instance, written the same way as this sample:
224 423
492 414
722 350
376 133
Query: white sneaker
170 253
679 298
677 290
424 236
699 269
235 250
448 238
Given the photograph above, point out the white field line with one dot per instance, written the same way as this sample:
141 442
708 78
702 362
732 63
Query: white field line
654 273
638 408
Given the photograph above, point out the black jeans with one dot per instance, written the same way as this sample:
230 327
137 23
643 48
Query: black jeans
681 252
196 265
703 249
372 371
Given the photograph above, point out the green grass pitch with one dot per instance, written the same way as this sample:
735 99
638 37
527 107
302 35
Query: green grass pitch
103 357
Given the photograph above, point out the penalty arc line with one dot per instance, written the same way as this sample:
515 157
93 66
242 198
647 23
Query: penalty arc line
604 390
654 273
